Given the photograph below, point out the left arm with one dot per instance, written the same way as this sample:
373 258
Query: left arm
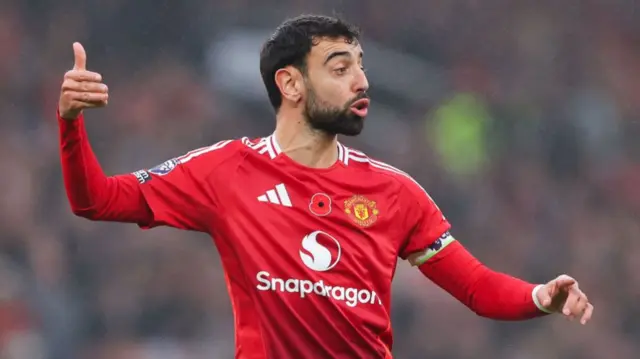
486 292
491 294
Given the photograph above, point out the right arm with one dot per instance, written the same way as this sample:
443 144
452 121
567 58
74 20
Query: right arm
177 193
91 193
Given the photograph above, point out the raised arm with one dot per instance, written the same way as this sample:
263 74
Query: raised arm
177 193
91 193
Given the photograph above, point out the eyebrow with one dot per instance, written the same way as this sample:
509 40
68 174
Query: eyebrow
339 53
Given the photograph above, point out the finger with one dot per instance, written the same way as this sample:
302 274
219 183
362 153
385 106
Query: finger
88 97
565 281
588 312
80 57
83 75
553 289
578 309
80 105
561 283
570 304
72 85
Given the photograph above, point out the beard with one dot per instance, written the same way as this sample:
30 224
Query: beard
333 120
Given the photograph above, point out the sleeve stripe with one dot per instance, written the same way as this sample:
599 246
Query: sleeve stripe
191 155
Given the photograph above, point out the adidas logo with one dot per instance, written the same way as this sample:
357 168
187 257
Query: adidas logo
278 196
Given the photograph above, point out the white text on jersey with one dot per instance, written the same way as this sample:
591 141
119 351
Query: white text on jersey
351 296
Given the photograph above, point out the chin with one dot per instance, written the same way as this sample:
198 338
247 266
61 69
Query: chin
347 124
351 127
354 126
353 130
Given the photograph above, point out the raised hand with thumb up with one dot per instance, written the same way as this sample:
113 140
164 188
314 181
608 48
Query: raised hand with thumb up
81 88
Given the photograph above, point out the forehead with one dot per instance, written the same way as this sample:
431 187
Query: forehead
324 47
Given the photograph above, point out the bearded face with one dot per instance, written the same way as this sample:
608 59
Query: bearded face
334 120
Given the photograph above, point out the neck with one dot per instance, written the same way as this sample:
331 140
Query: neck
308 147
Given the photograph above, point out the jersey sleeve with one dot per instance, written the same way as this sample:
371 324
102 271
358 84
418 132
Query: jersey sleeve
180 192
428 229
91 193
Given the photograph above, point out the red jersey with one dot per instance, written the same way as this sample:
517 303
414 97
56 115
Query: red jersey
309 254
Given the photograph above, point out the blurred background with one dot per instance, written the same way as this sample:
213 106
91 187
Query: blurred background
521 118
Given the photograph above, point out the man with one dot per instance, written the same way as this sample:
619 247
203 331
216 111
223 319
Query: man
308 229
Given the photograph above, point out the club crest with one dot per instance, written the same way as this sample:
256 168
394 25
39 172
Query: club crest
361 210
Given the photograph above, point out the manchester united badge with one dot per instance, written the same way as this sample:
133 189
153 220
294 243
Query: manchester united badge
361 210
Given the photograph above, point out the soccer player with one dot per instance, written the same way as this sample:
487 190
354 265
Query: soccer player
308 229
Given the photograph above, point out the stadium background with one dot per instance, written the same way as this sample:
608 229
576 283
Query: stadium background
520 117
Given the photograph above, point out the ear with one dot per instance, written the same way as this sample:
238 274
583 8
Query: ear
290 82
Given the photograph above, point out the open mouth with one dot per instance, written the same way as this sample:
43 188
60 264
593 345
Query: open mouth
360 107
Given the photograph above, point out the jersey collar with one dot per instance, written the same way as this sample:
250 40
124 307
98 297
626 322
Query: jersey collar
275 149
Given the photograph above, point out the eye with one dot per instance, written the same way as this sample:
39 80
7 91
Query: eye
341 70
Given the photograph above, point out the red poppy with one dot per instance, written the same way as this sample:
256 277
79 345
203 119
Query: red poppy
320 204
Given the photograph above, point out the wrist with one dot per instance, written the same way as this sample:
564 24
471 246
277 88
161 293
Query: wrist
536 301
68 117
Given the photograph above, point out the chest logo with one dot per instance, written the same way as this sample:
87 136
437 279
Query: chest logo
320 251
320 204
361 210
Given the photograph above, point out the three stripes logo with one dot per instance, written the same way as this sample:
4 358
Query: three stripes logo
278 196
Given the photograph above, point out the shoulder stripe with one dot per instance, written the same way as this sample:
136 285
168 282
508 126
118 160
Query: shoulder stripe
346 155
361 157
256 146
341 156
263 146
274 143
269 145
269 148
201 151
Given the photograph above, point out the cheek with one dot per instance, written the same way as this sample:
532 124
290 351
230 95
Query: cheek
335 93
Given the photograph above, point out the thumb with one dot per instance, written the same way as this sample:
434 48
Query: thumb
80 57
564 281
560 283
544 296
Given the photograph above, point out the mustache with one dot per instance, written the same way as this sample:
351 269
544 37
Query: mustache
360 96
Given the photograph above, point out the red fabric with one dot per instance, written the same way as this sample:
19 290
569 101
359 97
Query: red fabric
303 284
91 193
486 292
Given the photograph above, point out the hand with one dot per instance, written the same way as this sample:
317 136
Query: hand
81 88
563 295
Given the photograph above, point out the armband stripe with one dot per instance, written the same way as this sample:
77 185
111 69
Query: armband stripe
435 248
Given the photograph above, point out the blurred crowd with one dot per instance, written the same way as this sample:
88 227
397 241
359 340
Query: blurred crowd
529 145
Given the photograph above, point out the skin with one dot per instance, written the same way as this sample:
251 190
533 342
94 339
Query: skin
334 79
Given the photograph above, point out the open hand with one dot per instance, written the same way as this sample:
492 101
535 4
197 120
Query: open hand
562 295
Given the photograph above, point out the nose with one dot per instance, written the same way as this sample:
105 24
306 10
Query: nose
360 83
